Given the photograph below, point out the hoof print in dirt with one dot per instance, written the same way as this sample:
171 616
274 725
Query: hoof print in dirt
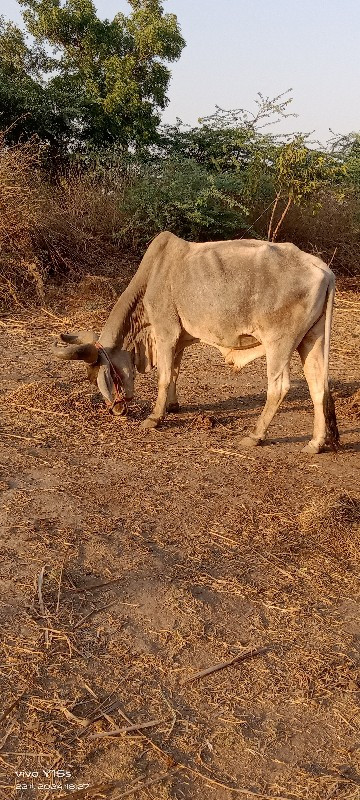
203 421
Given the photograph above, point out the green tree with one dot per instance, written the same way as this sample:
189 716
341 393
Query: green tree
301 174
87 80
25 105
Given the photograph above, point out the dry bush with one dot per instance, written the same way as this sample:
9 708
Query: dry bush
333 228
21 272
97 219
79 225
64 228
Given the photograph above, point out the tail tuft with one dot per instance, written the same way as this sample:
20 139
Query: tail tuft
332 433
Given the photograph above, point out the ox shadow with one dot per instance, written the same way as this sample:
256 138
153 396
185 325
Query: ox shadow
344 388
350 447
248 402
297 398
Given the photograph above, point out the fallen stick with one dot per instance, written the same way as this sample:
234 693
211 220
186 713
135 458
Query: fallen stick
223 664
33 408
23 438
231 453
90 790
146 784
234 789
109 787
50 313
11 706
96 586
100 712
91 613
41 603
127 729
7 734
59 589
169 760
166 757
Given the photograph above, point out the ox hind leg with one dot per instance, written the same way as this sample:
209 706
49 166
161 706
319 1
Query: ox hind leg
311 351
278 386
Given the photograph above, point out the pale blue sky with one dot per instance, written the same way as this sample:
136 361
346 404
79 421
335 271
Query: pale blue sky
236 48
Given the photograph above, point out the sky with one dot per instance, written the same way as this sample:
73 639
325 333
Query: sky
237 48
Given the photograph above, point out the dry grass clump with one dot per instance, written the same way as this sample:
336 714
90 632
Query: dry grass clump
53 397
325 512
333 228
78 232
350 406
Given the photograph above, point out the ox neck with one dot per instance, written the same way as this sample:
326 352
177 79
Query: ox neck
125 322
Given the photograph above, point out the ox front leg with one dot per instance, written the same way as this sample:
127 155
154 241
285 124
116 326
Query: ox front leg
172 403
278 387
165 360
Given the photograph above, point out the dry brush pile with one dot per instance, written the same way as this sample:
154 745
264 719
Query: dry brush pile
21 204
51 228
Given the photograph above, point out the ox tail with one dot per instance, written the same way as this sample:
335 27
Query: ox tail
332 433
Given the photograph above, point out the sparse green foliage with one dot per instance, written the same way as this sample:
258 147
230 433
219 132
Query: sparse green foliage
182 196
302 174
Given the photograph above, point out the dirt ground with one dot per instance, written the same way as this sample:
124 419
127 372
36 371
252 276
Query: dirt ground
131 561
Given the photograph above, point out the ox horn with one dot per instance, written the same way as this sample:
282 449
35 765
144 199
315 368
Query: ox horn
77 347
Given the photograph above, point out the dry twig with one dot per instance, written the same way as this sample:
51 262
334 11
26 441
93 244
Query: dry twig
128 729
11 706
223 664
93 612
139 787
59 589
41 603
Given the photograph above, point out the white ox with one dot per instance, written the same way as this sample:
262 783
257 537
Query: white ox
247 298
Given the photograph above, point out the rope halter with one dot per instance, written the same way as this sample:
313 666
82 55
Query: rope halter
116 378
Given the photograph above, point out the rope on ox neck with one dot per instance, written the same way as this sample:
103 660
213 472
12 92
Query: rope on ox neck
119 391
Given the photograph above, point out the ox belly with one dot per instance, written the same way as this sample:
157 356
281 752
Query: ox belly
248 350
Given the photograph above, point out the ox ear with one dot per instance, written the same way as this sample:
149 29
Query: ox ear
105 382
80 337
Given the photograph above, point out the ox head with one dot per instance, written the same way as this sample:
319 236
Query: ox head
81 346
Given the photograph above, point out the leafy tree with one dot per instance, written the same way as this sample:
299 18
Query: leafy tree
25 106
87 80
346 149
271 170
301 174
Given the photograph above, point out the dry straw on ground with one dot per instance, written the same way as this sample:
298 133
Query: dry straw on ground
134 561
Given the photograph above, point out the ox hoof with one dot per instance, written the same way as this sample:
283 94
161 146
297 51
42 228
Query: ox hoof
312 449
249 441
173 408
149 422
